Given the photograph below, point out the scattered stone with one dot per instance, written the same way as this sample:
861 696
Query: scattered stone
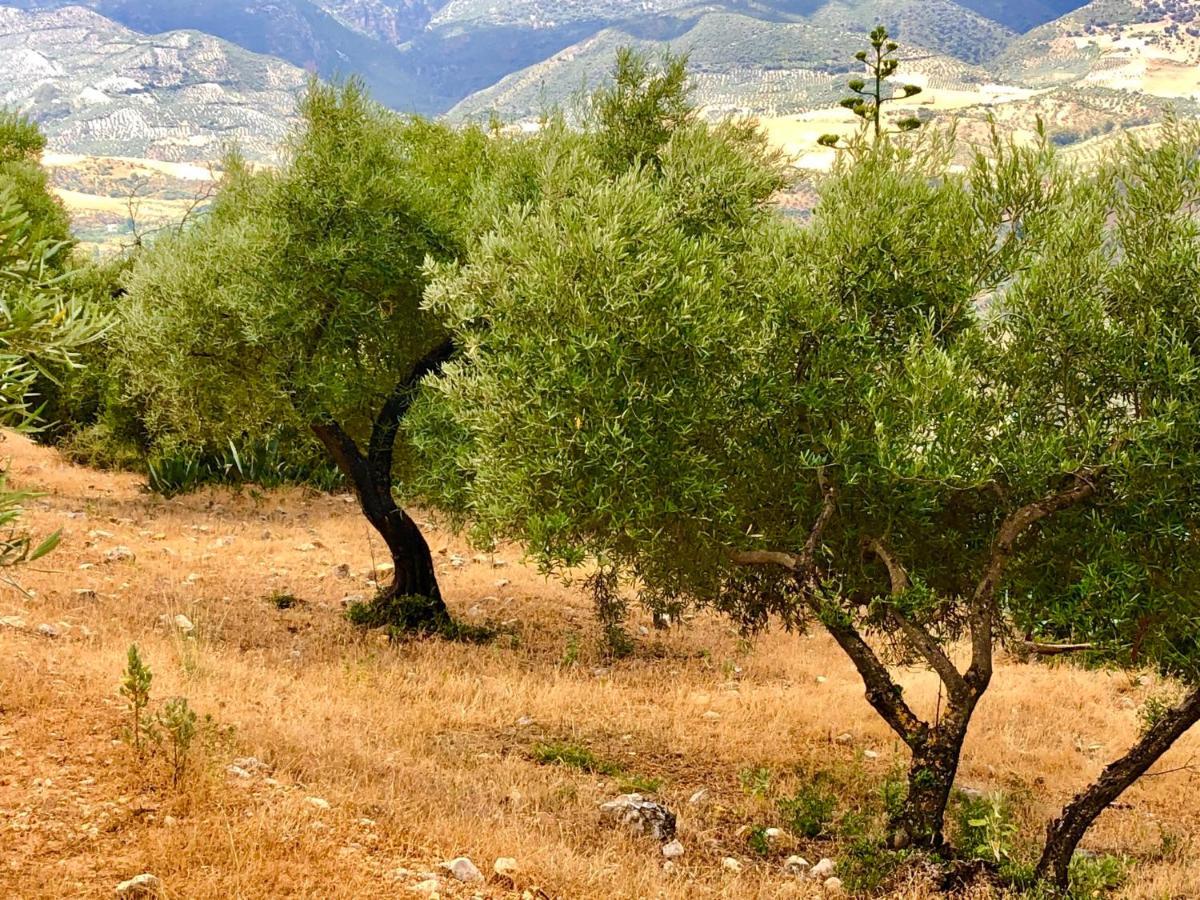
47 630
238 772
833 886
796 865
85 593
463 870
12 622
306 548
673 850
643 631
118 554
821 679
730 864
144 885
641 816
251 764
668 867
712 715
170 821
353 600
428 888
870 754
971 793
184 624
502 582
341 571
457 561
384 567
226 541
506 867
773 834
96 534
317 802
525 721
699 797
823 869
845 738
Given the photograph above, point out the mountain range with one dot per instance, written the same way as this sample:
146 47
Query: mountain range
176 79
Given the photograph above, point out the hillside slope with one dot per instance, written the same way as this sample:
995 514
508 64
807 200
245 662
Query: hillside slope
739 63
102 89
1134 45
415 753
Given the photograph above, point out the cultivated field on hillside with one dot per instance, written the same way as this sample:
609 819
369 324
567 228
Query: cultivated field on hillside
381 760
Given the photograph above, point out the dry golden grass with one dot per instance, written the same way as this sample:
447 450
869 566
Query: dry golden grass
423 750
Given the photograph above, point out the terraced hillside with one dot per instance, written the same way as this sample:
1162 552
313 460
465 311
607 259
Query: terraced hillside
100 89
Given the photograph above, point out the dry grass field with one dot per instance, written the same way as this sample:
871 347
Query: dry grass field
424 751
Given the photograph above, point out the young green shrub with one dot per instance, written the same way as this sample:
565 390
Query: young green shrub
986 829
135 688
756 780
176 729
810 811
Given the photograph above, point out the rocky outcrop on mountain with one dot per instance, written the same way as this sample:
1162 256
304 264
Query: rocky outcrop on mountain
102 89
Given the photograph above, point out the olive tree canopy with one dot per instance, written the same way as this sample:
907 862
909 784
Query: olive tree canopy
913 420
295 305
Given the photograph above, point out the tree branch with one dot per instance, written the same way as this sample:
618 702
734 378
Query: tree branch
806 559
1014 526
918 638
883 693
1054 649
381 449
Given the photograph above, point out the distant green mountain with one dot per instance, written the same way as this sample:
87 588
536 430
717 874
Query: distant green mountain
738 62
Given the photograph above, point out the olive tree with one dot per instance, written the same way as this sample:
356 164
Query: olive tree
295 305
882 422
42 329
1123 576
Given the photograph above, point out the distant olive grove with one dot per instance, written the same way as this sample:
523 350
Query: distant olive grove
956 412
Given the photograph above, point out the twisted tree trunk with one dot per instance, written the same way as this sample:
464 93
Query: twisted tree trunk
1065 832
413 601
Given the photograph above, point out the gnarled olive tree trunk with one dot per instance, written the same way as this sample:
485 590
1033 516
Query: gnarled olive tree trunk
936 747
413 601
1065 832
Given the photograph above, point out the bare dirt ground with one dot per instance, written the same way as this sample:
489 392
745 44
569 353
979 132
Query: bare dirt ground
424 751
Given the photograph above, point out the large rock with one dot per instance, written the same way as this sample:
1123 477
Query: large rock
823 869
143 886
641 816
464 870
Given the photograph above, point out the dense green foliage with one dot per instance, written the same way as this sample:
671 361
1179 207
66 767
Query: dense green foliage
43 325
25 182
936 412
298 296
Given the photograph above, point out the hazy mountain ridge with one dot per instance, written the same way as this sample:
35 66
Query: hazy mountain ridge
772 58
102 89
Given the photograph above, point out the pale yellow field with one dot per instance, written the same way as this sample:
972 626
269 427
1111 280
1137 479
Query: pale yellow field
423 750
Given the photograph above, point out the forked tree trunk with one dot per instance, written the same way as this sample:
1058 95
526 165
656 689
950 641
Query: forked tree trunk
931 773
413 601
1065 832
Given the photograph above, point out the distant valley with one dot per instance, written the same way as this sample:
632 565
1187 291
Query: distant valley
178 81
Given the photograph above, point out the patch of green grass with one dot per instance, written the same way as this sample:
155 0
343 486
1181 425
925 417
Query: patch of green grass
281 600
867 867
810 811
1097 876
756 780
640 784
577 756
